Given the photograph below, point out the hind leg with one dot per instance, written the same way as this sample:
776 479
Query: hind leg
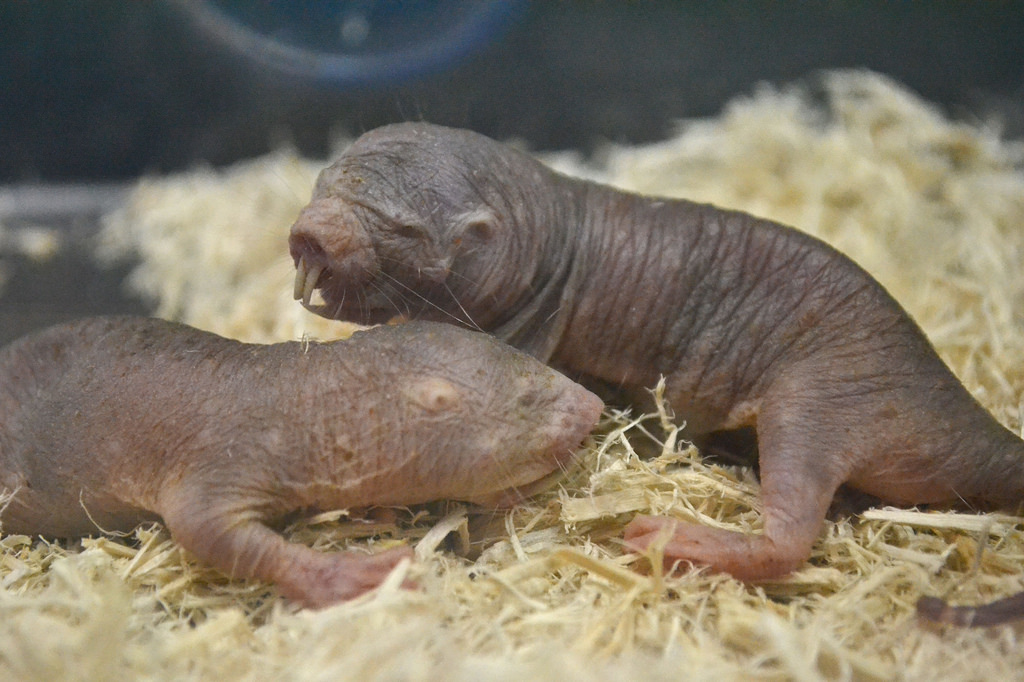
805 454
234 539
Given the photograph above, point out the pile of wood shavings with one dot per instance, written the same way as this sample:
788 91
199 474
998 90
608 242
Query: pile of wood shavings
213 248
934 209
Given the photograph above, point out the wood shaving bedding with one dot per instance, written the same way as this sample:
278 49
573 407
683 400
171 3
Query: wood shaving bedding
933 208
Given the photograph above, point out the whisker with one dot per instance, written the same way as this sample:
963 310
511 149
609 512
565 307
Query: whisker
469 317
463 278
383 292
469 322
340 307
396 282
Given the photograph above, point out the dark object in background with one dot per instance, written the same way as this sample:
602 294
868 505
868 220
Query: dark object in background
96 89
358 43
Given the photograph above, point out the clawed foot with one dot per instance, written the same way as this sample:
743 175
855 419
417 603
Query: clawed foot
746 557
341 576
680 546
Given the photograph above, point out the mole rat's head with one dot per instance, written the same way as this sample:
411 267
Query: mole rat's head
415 220
480 421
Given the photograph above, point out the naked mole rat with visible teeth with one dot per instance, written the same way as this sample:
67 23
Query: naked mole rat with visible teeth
108 422
754 325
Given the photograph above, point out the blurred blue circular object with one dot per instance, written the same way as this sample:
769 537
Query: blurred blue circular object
352 43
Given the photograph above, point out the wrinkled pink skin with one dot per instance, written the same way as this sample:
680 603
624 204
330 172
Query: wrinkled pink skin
753 325
108 422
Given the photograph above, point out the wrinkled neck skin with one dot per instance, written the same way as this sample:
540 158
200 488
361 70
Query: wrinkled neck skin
608 265
546 218
621 287
712 300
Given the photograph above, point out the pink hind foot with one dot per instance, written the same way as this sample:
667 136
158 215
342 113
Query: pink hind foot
328 578
245 548
745 557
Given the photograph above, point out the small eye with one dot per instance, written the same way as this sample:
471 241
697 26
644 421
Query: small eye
528 398
433 394
480 229
409 232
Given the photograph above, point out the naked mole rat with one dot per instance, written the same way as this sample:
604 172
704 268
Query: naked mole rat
108 422
753 324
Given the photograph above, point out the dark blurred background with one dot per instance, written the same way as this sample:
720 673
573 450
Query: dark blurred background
101 91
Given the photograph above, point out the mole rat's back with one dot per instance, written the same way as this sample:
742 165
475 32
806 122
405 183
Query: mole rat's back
102 417
52 474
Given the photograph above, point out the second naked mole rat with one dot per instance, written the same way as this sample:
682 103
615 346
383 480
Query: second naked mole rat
754 325
108 422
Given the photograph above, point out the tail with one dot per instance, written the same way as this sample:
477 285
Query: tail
1001 611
